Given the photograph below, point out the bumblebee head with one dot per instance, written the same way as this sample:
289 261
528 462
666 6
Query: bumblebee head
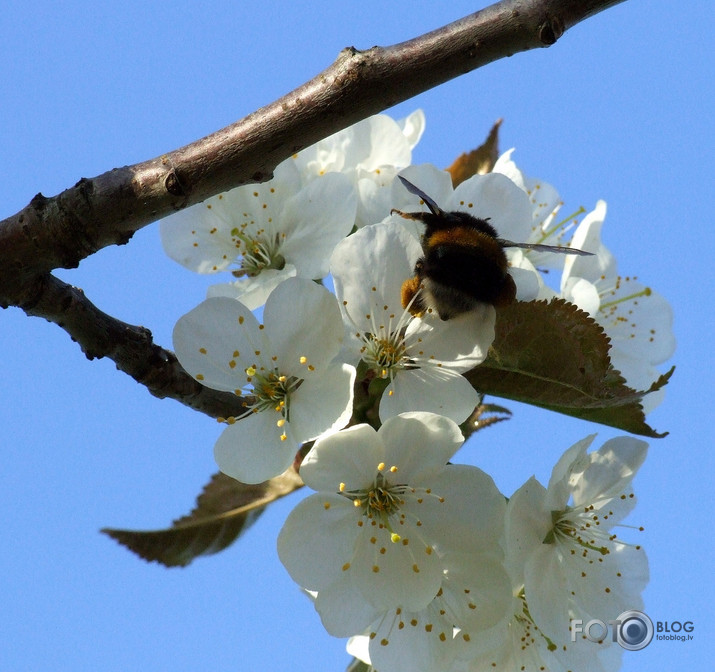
439 220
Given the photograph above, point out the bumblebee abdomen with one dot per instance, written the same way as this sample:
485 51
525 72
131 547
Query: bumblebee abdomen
469 261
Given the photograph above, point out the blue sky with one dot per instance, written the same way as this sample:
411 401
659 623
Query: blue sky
619 109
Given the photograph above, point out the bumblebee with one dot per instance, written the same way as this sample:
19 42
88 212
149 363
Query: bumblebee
463 263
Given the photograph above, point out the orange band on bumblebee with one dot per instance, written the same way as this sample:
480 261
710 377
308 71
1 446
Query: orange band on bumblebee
464 236
410 287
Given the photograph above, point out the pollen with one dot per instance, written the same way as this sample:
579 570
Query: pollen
199 376
303 359
202 351
326 505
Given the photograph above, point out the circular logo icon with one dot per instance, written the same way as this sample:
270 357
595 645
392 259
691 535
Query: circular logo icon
635 631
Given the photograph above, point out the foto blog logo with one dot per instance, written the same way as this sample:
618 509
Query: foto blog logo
633 630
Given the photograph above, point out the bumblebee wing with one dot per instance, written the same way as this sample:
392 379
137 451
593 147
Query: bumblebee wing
544 248
434 208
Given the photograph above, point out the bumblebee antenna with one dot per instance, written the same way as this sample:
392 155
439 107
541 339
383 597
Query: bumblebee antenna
434 208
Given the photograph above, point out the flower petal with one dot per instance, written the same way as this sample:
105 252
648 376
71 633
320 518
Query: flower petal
253 292
305 327
314 220
350 456
405 573
343 609
216 341
496 198
323 403
367 288
430 389
251 450
419 444
460 343
611 470
317 539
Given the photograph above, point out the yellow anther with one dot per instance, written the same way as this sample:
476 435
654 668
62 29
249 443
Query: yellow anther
394 537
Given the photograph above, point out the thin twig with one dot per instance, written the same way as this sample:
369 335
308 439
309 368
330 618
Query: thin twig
131 348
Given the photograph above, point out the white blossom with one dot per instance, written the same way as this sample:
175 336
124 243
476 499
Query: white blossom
389 527
285 364
370 153
517 643
637 320
560 540
263 233
475 594
422 358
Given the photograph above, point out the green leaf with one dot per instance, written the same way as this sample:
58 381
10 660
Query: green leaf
479 161
224 510
553 355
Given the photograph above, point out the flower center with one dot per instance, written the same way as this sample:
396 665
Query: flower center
259 252
579 528
385 353
272 392
380 501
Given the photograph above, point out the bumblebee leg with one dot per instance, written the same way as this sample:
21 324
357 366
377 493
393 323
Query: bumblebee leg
507 293
410 296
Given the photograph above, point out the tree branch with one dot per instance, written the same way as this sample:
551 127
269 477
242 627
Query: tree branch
131 348
106 210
